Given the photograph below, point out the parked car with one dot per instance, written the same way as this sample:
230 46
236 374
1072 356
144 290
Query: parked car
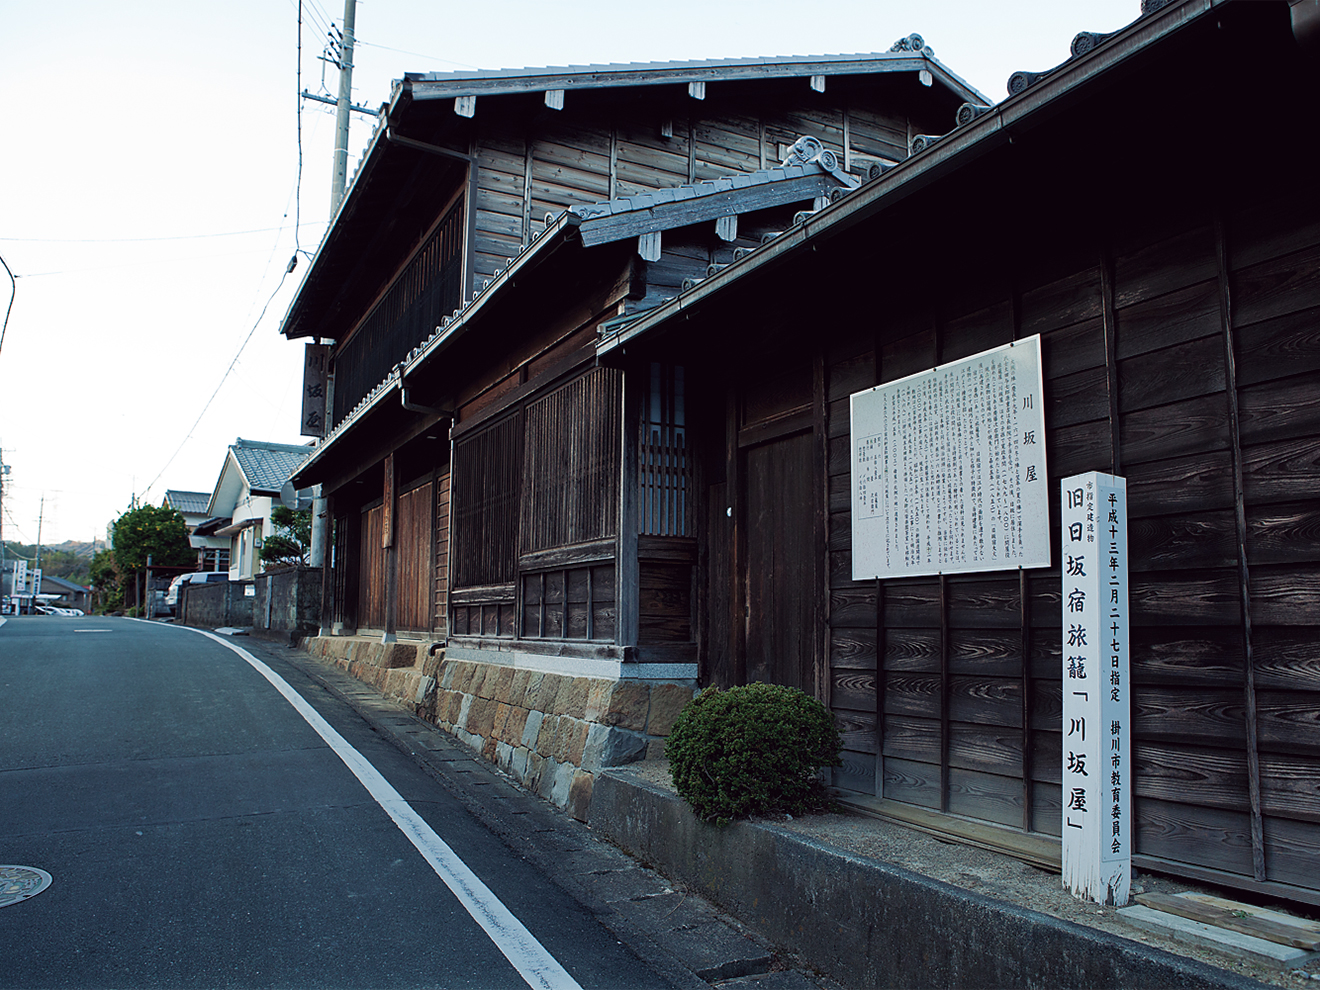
197 577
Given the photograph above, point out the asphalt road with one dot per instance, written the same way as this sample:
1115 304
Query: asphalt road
201 833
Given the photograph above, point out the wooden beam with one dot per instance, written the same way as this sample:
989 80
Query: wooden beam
697 90
685 212
1244 575
554 99
648 246
726 228
465 106
818 83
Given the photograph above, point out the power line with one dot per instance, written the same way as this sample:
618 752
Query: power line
223 378
140 240
431 58
13 292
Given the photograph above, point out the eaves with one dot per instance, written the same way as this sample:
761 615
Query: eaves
956 150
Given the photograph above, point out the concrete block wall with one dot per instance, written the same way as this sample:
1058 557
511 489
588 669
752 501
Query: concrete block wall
551 732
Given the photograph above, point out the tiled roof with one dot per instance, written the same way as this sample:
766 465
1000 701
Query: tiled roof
267 466
190 502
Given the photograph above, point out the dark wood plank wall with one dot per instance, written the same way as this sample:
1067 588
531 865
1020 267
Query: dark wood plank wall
528 168
415 540
371 583
1183 358
570 483
440 565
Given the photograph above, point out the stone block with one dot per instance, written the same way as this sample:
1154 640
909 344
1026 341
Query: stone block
561 782
655 749
425 687
488 749
563 733
459 674
622 747
446 674
546 692
598 698
532 730
596 734
667 703
503 683
501 720
572 696
399 655
545 739
481 716
503 753
579 795
628 707
513 731
546 781
533 689
464 706
518 689
431 663
577 739
518 763
535 771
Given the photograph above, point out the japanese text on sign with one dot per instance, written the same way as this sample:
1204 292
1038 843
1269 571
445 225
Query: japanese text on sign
948 468
1097 819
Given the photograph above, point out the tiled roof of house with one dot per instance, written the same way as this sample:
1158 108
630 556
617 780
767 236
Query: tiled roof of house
190 502
267 466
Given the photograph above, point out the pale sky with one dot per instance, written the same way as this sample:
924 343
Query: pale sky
149 187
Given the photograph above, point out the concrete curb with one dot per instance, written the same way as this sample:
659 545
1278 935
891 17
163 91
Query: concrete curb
868 923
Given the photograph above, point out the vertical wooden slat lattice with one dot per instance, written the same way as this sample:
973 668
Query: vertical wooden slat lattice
487 476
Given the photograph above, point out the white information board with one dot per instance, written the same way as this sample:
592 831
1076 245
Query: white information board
948 468
1097 748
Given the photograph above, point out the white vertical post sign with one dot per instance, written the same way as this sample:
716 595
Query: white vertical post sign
1097 757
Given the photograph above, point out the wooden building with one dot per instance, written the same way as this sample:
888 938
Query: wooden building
593 353
1174 279
497 220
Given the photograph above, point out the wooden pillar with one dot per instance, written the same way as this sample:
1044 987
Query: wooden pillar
823 676
328 564
1111 356
1024 619
1244 576
627 575
390 508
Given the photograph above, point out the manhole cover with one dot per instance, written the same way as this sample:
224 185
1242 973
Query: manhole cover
18 883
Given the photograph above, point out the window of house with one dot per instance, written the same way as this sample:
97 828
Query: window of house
665 468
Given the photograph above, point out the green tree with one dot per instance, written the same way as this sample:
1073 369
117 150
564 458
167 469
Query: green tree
149 531
107 595
292 537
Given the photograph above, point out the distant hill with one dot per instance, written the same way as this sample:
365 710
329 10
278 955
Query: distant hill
70 560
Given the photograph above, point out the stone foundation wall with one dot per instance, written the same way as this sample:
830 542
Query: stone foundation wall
553 733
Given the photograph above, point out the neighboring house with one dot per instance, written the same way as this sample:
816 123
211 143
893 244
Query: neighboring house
245 493
71 594
212 551
625 453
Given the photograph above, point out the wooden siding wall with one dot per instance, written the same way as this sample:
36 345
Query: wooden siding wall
487 477
569 603
528 168
415 549
570 484
372 557
440 566
1188 360
536 507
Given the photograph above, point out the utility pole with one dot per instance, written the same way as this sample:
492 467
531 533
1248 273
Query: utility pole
339 179
342 108
41 514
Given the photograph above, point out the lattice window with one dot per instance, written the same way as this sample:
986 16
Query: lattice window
665 469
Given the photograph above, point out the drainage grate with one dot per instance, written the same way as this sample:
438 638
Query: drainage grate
18 883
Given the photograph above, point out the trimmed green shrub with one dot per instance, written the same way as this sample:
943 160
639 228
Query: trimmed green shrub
752 749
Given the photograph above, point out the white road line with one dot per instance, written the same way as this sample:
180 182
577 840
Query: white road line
533 963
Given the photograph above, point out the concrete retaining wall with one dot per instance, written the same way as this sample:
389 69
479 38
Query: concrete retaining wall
868 923
216 605
287 603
